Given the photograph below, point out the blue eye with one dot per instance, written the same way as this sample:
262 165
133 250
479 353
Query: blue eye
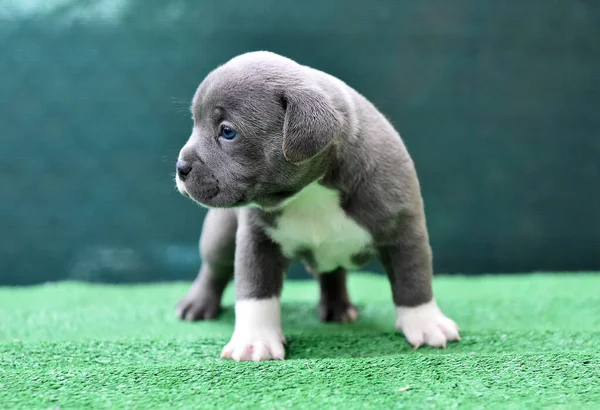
227 132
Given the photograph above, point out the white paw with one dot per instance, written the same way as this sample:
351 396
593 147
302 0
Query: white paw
257 334
254 347
426 324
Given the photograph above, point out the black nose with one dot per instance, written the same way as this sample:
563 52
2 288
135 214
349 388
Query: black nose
183 169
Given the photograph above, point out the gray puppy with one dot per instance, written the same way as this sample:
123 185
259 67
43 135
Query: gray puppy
296 165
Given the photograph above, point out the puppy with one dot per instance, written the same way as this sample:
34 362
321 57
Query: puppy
294 164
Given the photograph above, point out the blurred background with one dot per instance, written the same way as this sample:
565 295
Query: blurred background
498 103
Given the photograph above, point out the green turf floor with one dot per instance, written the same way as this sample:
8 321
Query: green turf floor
528 342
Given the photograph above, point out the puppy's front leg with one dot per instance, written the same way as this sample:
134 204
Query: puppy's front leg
409 267
259 271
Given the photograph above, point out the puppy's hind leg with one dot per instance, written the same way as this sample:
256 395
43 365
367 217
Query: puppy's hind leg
334 303
217 250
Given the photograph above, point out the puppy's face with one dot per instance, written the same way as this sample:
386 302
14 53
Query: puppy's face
257 135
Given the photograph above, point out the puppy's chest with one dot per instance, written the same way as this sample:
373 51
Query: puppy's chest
314 228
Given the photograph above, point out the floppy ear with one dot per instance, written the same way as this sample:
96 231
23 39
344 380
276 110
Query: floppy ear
311 123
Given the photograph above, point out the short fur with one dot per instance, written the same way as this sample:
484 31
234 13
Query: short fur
303 136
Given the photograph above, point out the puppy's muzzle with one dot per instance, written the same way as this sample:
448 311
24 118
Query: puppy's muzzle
194 180
183 169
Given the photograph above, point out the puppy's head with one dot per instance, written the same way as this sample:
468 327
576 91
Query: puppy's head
262 128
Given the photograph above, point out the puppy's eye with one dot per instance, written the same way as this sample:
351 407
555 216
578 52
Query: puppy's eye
227 132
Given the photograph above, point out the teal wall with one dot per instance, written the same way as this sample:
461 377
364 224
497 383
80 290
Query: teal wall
498 103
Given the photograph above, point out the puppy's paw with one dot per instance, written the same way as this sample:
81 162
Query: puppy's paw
340 312
258 335
256 346
198 306
426 325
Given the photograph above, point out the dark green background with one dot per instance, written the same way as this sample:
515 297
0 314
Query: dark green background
497 101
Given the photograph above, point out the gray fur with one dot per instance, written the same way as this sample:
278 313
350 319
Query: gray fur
296 126
334 303
362 258
259 264
217 251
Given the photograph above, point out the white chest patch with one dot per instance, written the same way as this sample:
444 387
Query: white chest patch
314 226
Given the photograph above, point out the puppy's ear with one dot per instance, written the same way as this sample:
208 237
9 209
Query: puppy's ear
311 123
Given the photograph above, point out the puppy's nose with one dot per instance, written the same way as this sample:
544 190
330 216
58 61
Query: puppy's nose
183 169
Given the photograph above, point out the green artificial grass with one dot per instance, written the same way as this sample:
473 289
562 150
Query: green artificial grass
529 341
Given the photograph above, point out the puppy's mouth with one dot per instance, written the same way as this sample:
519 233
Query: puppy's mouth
181 187
210 197
214 202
